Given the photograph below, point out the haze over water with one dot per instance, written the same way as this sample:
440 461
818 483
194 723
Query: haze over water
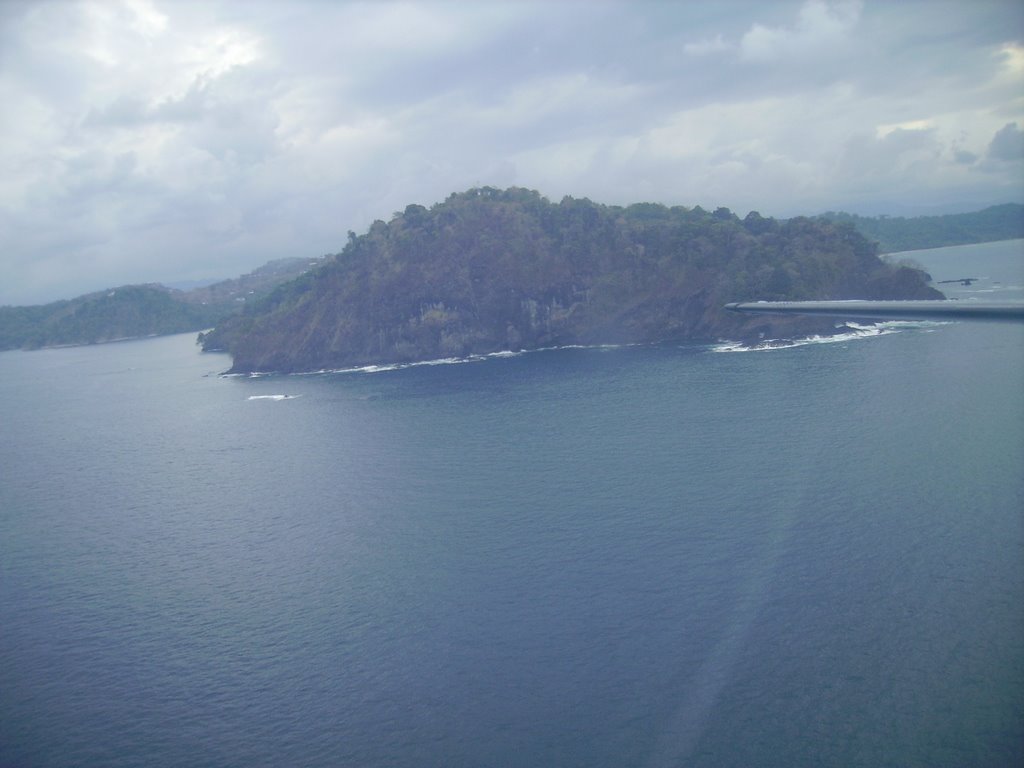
645 556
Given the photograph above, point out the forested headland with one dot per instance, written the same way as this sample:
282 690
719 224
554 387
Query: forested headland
134 311
129 311
895 233
489 270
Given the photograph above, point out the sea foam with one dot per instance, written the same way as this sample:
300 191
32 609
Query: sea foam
854 332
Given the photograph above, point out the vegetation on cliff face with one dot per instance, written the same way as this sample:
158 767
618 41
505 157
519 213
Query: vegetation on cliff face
895 233
489 270
133 311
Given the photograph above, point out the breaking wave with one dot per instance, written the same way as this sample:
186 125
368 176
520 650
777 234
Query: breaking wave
383 367
853 332
272 397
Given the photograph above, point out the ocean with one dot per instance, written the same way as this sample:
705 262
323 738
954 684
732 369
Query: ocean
644 556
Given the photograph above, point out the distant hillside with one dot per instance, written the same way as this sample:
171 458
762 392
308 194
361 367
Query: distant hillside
490 270
126 312
1000 222
133 311
252 285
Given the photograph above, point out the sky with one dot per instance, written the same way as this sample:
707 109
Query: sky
151 141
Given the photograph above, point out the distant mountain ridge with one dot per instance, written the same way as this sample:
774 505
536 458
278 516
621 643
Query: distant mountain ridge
134 311
490 270
894 234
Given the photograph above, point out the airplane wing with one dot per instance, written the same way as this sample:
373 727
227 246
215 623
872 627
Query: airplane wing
941 309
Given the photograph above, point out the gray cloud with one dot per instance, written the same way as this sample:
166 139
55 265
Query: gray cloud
149 140
1008 144
964 157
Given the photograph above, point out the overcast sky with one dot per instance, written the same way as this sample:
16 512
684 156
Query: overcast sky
151 141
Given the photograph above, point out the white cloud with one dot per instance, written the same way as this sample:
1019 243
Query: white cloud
820 27
218 51
708 46
1011 58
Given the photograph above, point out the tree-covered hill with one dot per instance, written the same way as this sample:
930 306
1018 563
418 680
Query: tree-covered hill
133 311
893 234
126 312
489 270
252 285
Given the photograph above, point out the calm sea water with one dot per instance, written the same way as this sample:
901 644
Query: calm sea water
628 557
